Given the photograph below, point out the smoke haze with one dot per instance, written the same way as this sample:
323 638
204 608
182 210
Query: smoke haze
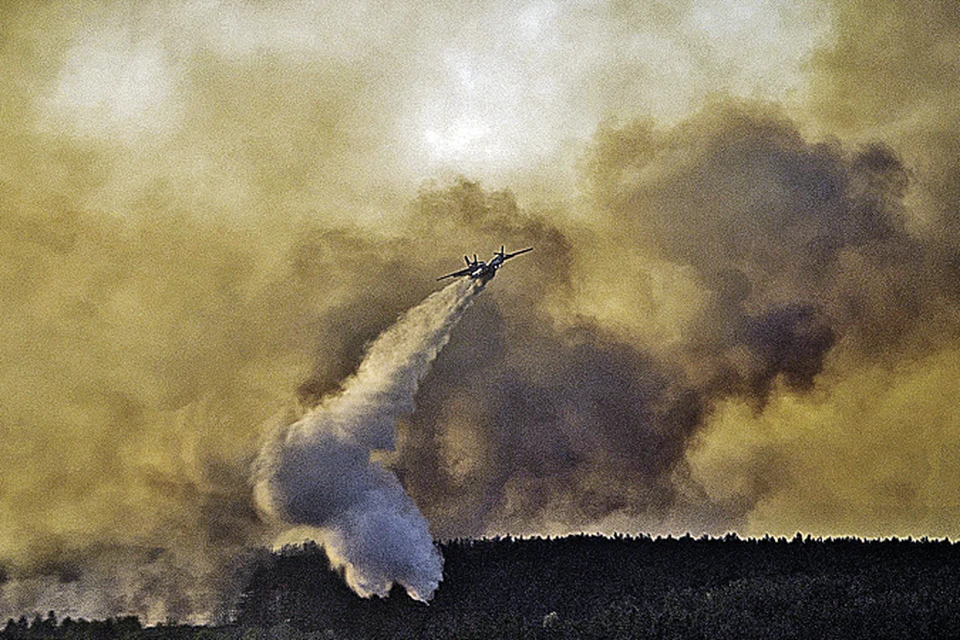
742 312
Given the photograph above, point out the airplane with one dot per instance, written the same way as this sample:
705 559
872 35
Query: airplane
484 271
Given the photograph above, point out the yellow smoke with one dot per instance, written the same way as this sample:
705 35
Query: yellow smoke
741 313
869 454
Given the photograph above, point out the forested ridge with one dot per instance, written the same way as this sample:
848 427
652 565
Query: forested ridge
594 587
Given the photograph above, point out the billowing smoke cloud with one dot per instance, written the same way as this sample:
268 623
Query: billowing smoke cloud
869 450
318 472
781 236
741 313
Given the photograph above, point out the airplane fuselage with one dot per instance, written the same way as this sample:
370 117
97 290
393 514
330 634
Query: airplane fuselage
484 271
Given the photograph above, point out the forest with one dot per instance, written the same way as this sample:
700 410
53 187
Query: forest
591 587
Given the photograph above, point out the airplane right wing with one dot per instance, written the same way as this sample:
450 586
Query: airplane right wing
516 253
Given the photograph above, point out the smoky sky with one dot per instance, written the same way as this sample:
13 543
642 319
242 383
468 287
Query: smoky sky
741 312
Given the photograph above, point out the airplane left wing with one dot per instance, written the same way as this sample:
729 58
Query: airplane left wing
456 274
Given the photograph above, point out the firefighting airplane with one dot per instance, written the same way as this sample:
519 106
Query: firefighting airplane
484 271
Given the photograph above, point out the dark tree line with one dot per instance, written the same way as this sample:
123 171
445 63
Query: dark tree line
597 587
589 586
122 628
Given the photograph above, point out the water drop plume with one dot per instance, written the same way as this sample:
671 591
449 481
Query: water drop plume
318 472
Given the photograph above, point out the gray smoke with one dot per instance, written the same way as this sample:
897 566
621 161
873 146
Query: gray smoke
318 471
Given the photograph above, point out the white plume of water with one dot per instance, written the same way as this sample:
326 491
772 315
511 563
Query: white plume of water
317 472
